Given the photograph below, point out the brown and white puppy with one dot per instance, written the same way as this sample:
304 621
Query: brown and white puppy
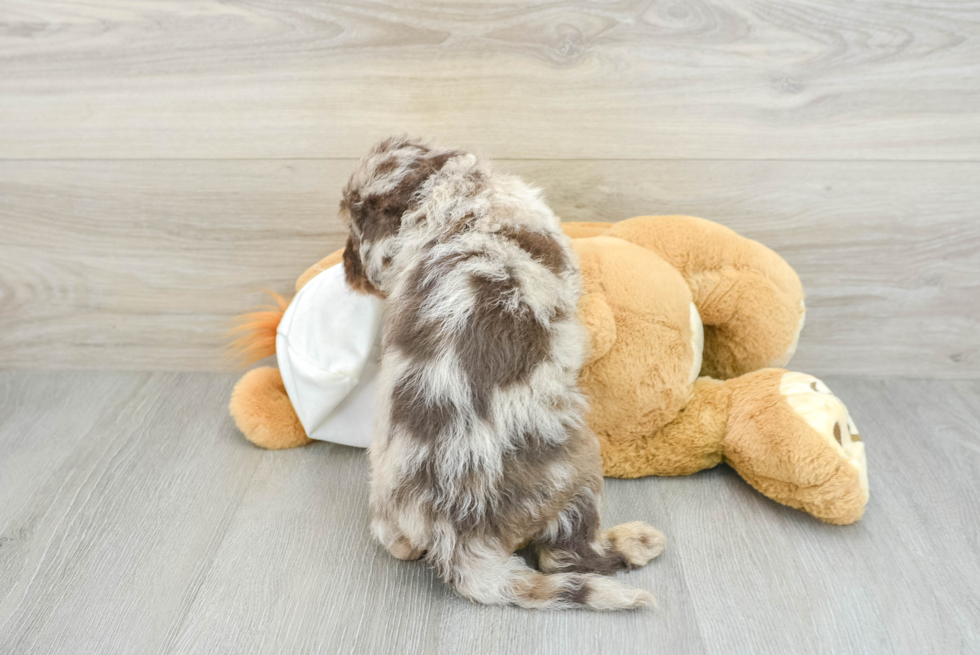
481 444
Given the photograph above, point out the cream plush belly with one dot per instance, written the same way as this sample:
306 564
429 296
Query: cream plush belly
330 370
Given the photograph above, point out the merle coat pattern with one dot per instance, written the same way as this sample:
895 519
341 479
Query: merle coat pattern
481 444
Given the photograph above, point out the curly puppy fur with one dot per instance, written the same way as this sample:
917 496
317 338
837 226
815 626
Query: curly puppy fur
481 444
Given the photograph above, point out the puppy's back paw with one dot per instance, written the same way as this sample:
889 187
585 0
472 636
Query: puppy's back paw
637 542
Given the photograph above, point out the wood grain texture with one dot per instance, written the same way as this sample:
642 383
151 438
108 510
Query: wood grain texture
106 545
141 265
144 523
804 79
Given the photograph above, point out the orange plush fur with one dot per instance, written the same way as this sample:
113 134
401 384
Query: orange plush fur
255 332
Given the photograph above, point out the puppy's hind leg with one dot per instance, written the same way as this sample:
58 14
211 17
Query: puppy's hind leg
636 543
402 548
574 542
394 540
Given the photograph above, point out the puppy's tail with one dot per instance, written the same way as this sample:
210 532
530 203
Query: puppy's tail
501 579
255 332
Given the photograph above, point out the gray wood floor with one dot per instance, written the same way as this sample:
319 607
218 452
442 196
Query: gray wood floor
134 519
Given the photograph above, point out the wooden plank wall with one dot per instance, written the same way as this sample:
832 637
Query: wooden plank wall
160 161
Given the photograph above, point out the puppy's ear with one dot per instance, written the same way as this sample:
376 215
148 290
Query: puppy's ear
354 269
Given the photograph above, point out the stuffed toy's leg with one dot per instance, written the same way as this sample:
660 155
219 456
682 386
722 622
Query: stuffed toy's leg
263 412
259 404
692 442
750 300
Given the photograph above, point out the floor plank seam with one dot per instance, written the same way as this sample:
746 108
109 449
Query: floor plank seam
177 628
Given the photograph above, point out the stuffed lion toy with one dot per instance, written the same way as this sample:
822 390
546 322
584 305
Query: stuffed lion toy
690 326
